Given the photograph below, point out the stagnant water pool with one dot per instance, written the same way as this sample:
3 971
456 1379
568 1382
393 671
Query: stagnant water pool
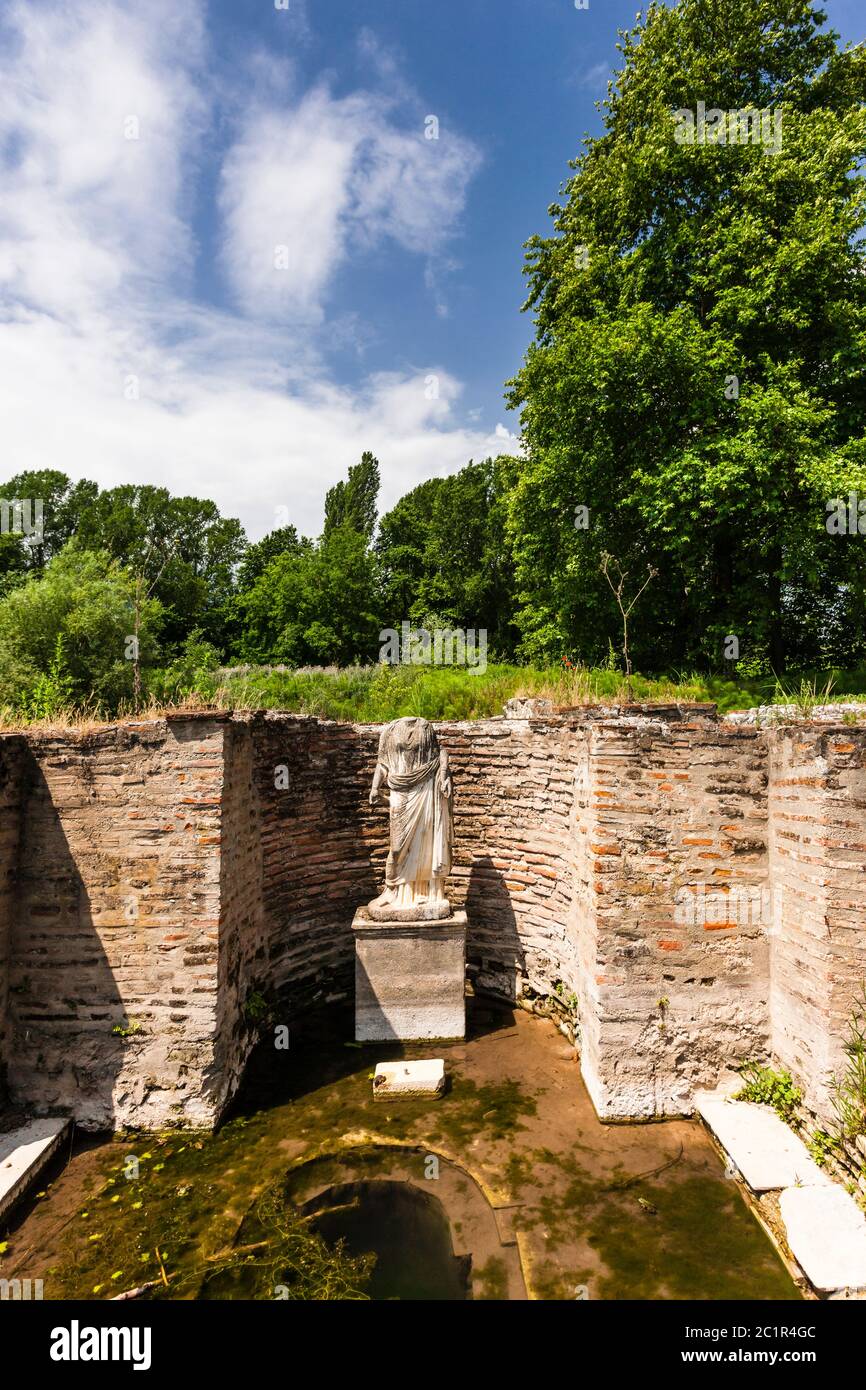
507 1187
408 1231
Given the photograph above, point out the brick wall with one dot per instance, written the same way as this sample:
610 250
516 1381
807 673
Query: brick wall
114 940
13 752
818 867
641 871
676 839
242 960
323 852
513 858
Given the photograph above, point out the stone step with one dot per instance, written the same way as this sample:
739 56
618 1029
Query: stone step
761 1146
24 1152
826 1232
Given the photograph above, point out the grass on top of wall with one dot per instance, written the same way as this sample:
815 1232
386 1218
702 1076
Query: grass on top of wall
378 694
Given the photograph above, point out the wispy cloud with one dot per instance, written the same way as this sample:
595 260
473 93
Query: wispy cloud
111 369
95 117
596 76
306 187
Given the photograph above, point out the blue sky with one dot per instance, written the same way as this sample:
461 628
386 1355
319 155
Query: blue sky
230 258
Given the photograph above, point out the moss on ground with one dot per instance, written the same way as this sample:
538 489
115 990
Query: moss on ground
141 1207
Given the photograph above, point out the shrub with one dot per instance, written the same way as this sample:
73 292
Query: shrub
848 1091
767 1087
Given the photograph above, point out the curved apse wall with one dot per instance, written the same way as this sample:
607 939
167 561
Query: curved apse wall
576 837
324 848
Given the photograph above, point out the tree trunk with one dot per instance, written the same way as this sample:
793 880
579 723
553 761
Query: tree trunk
774 611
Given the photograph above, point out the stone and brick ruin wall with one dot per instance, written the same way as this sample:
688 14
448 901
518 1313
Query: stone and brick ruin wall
686 889
818 870
675 821
324 850
114 934
11 766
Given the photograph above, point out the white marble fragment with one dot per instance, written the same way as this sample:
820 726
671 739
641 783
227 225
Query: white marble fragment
826 1231
407 1080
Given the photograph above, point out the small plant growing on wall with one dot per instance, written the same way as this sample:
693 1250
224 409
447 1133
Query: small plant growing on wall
848 1091
126 1030
567 998
806 699
822 1146
764 1086
256 1009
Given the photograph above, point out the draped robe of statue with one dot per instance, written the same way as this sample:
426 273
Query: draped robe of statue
416 771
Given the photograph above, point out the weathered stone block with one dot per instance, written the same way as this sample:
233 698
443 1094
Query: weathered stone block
764 1149
24 1152
409 1080
409 978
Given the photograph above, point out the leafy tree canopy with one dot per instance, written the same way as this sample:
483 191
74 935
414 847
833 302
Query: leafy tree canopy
313 606
74 619
353 503
443 551
697 376
185 551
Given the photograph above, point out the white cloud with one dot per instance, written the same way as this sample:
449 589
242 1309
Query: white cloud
96 255
235 435
88 213
285 184
598 75
308 184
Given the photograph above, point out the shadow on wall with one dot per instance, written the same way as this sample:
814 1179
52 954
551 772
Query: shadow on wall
324 849
63 998
495 953
10 819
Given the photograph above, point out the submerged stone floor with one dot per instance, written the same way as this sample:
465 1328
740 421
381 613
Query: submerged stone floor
580 1209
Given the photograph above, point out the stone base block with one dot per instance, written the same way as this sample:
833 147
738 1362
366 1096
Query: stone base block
420 912
409 979
409 1080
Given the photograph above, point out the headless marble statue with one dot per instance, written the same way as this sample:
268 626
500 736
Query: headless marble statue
416 772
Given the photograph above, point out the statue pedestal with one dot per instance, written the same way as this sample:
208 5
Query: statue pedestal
409 978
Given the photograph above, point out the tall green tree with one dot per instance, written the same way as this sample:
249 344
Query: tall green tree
698 376
316 603
75 619
353 502
443 552
314 606
401 549
59 504
183 551
257 557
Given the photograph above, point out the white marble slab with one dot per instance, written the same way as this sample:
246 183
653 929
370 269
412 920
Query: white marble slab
826 1231
406 1080
767 1153
24 1153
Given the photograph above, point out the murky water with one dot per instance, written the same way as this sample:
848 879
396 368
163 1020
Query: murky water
611 1212
407 1230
